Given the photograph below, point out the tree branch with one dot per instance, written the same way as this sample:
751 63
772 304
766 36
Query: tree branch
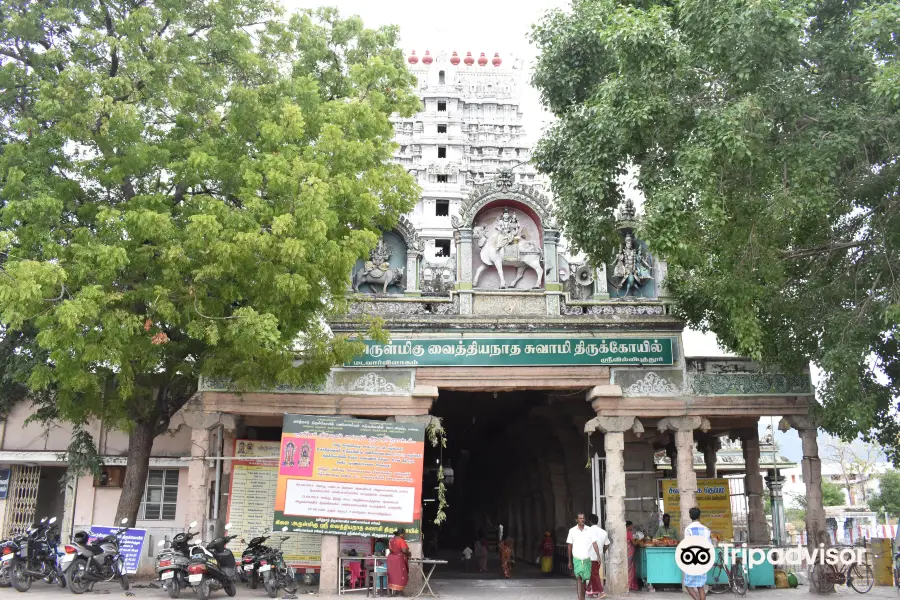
825 249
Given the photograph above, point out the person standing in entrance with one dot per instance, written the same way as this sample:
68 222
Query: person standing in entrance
507 560
547 548
581 541
398 563
595 586
696 584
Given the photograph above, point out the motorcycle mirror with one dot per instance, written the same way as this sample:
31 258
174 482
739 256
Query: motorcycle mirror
124 521
52 521
192 524
243 541
284 528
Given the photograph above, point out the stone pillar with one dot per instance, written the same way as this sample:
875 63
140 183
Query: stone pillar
601 287
328 575
811 467
551 271
464 269
613 429
416 581
753 488
684 446
710 449
412 272
672 455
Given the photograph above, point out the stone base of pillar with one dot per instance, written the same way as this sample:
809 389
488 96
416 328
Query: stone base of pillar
328 575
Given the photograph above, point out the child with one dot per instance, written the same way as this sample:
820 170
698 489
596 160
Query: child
467 558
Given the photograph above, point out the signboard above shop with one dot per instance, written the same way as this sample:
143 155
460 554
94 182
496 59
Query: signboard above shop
518 352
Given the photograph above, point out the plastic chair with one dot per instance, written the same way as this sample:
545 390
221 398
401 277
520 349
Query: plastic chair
357 575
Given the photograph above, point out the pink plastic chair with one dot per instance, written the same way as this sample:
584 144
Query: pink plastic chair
357 575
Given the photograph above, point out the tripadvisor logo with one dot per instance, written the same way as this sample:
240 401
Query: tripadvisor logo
695 555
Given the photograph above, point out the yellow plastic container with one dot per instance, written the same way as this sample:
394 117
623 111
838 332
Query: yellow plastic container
881 559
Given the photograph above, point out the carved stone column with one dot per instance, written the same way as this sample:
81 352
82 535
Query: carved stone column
775 485
613 429
661 269
753 488
328 574
601 285
710 448
412 272
551 270
811 467
684 447
464 269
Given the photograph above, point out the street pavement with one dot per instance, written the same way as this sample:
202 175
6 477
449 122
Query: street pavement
449 589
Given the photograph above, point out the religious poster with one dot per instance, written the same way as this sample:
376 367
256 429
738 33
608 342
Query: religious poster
254 479
353 477
713 500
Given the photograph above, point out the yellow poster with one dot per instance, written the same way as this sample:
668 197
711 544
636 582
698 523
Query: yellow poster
713 500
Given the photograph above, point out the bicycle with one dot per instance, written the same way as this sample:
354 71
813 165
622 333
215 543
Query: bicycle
736 573
858 576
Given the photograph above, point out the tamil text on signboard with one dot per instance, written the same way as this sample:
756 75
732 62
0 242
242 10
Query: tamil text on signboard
350 476
131 544
500 352
713 500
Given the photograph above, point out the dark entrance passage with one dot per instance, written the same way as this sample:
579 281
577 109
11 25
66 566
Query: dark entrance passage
519 465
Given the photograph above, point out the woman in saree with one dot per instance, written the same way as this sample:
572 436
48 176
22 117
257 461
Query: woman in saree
632 572
547 549
506 557
398 563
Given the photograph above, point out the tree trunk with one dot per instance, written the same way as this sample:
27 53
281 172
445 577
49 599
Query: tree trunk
140 443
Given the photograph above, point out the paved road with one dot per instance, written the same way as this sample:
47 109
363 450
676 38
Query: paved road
552 589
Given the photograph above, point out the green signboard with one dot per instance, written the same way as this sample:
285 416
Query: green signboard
517 352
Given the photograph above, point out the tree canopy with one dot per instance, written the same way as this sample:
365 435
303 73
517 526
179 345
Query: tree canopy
832 495
764 137
185 186
887 498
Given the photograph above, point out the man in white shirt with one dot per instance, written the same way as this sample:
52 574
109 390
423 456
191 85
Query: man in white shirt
581 541
595 585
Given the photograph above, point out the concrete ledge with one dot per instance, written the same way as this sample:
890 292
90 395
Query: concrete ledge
605 391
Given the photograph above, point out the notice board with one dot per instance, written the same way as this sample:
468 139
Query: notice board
346 476
713 500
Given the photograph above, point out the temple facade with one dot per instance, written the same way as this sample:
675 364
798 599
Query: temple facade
562 386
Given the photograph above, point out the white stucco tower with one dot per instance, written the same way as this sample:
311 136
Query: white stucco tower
470 127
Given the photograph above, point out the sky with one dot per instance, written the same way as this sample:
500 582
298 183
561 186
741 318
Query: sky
478 26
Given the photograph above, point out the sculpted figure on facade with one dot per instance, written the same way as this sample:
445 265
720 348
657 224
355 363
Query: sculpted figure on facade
506 246
377 270
631 269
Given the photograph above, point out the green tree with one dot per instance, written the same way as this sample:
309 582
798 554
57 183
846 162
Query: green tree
887 498
765 140
832 495
186 186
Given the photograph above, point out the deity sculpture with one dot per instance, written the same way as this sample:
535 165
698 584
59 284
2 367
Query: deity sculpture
630 270
507 246
378 270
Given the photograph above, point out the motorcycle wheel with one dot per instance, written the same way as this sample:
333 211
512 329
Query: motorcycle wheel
290 581
19 578
173 588
271 588
4 576
253 580
203 589
78 584
230 588
123 576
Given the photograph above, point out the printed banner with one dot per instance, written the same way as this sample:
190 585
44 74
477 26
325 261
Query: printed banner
130 546
349 476
713 500
254 478
516 352
4 483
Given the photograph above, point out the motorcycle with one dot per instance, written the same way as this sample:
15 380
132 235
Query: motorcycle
87 563
212 567
275 573
172 562
250 560
9 549
37 557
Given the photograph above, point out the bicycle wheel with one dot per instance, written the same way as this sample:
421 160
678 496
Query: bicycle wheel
860 578
720 580
738 580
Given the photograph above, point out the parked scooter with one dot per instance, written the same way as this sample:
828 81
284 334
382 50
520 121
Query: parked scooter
172 562
89 563
250 560
212 567
9 549
37 557
275 573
